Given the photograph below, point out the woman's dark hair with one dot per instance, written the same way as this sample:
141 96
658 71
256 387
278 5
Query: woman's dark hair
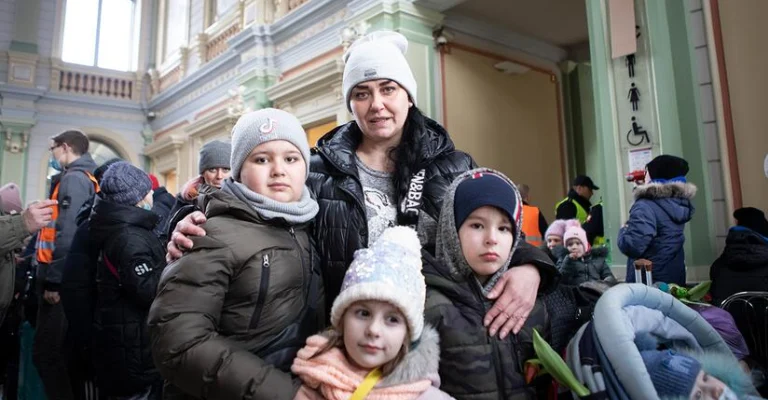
408 155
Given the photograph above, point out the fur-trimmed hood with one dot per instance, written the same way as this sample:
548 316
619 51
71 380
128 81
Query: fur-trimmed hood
653 191
673 197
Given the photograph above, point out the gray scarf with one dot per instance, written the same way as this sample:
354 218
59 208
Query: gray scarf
297 212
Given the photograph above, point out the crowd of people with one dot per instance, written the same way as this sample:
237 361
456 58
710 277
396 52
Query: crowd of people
384 263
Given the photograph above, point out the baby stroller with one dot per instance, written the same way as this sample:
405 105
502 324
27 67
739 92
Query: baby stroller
604 355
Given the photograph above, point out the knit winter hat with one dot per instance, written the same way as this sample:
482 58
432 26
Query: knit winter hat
266 125
155 182
390 271
752 218
98 173
672 374
448 246
214 154
575 231
486 189
378 55
10 199
666 167
557 228
125 184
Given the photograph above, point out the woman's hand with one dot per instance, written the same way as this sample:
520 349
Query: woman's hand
189 226
515 295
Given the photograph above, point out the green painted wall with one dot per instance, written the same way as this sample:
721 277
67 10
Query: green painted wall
676 108
609 175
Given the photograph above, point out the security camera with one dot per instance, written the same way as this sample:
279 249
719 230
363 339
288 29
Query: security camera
151 115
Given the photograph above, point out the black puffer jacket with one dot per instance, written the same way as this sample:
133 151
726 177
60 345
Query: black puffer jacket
128 271
342 222
743 266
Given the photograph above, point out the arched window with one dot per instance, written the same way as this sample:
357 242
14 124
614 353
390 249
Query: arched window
101 33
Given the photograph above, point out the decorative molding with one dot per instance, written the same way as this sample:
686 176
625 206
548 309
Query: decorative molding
212 125
16 146
199 92
22 68
168 143
58 109
317 78
314 95
311 31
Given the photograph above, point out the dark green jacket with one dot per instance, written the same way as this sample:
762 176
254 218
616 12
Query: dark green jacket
591 267
12 234
473 365
226 322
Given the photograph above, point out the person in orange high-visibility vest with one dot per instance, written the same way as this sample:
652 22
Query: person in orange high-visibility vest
534 223
71 189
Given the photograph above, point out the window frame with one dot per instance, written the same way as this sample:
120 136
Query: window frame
134 39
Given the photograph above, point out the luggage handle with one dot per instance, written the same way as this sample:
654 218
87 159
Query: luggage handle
644 265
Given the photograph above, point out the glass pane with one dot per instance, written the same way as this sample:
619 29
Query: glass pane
115 37
176 25
223 7
79 44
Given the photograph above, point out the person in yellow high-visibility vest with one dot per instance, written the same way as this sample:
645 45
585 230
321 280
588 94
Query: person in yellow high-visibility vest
534 223
577 205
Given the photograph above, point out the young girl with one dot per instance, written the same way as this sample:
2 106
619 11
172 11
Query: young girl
554 238
230 315
582 263
478 235
379 347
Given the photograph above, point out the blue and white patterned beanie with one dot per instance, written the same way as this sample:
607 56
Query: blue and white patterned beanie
390 271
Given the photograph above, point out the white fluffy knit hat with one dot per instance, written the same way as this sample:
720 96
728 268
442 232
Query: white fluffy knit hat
390 271
378 55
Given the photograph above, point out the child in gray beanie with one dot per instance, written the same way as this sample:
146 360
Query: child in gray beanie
214 162
251 273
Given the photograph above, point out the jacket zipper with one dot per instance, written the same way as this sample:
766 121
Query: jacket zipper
263 288
494 347
305 288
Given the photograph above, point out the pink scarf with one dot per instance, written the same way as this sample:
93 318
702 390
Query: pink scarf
335 378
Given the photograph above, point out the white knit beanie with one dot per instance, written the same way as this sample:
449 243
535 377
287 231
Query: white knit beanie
390 271
378 55
265 125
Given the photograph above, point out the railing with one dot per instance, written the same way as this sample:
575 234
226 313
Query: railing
294 4
87 81
169 79
218 44
89 84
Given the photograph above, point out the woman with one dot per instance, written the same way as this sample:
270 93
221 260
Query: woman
390 166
